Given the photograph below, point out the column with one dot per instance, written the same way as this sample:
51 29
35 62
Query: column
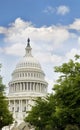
16 87
12 87
14 106
37 87
19 106
26 86
30 87
20 87
23 86
14 110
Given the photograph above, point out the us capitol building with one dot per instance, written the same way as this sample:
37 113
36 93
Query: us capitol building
28 83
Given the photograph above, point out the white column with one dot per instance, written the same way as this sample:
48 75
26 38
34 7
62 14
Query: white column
26 86
12 87
19 106
35 87
20 87
16 87
23 86
14 106
39 86
14 109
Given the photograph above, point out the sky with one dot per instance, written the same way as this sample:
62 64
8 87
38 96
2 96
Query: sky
53 27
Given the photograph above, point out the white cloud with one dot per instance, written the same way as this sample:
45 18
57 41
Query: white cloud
15 49
48 58
3 30
75 25
72 53
51 83
43 38
62 10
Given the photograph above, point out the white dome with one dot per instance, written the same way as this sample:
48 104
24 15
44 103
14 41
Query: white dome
28 70
28 62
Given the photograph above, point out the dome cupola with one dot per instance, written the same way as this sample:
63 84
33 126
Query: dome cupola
28 48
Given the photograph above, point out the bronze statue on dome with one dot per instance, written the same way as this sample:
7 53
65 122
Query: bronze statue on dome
28 42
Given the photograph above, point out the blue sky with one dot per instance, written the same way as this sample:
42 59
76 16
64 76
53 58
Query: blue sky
34 11
53 27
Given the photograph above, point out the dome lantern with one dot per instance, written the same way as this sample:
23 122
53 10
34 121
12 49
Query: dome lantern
28 49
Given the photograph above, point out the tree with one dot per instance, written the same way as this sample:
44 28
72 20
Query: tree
5 115
67 94
61 110
41 114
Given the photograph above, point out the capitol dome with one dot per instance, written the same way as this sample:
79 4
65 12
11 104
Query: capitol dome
28 71
27 83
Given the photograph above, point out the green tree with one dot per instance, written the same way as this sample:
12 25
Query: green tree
41 114
61 110
71 127
67 94
5 115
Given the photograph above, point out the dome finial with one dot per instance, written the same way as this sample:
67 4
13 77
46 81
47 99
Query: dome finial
28 42
28 48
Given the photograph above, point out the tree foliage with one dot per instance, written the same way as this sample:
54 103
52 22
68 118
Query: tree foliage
5 115
61 110
41 114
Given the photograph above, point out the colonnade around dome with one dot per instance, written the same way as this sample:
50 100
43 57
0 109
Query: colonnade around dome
27 87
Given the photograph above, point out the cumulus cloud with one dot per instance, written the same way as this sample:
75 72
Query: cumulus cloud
62 10
75 25
48 58
15 49
43 38
3 30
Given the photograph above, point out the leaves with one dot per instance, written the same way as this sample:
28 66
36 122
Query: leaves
61 110
5 115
